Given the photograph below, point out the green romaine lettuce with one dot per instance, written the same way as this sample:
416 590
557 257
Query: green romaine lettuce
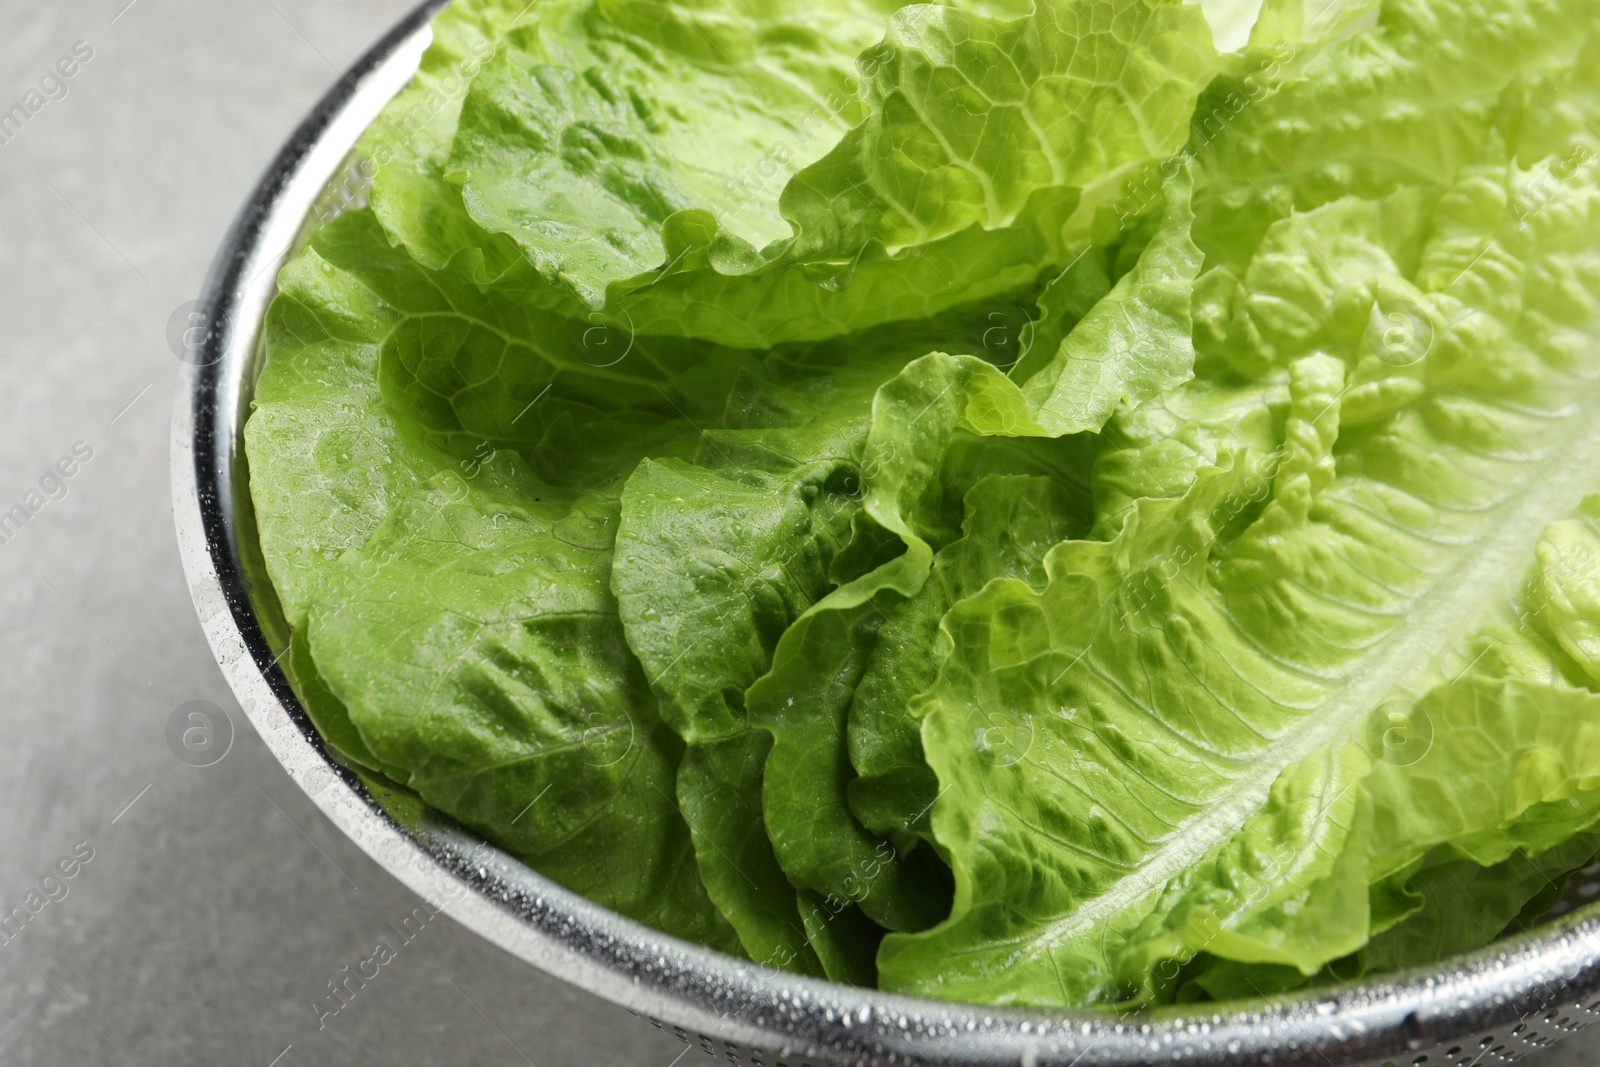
583 141
1283 631
1085 502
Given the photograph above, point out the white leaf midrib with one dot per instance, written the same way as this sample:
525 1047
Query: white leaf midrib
1453 605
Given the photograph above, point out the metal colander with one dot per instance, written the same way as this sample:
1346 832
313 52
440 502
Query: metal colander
1494 1006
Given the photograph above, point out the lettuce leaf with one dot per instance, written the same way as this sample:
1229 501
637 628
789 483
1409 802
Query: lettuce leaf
918 462
584 142
476 646
1242 675
1077 502
716 558
1012 520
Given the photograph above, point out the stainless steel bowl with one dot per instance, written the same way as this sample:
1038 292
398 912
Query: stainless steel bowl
1496 1005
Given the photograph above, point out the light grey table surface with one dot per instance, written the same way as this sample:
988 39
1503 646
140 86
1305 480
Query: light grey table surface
218 902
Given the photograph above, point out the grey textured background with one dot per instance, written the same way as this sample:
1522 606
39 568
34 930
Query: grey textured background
219 904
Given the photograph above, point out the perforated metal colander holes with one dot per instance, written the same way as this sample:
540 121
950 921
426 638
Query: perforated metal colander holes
1537 1030
726 1051
1533 1033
